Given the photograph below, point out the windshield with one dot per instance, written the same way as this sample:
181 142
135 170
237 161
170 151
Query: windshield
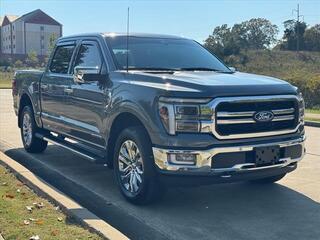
147 53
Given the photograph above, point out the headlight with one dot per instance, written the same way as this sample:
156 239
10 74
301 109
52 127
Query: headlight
183 115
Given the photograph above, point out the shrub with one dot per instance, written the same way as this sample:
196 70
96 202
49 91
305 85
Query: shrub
18 64
32 59
301 70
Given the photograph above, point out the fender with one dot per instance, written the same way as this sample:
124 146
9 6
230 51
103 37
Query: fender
37 114
132 108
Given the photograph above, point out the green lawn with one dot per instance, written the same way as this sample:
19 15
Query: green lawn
312 119
16 222
316 111
5 79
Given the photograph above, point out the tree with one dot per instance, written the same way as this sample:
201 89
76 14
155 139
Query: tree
257 33
32 59
52 41
312 38
222 42
293 31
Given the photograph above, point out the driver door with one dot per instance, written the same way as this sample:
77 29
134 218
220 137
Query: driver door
87 99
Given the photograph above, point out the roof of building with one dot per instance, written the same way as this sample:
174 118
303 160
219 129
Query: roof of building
12 18
8 19
36 16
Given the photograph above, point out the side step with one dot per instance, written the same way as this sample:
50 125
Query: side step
70 146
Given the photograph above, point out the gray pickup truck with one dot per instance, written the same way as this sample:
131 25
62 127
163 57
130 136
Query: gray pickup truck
161 111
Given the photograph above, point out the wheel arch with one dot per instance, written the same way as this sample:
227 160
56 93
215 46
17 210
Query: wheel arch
25 100
121 121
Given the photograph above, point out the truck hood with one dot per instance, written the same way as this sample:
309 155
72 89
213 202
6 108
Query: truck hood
213 83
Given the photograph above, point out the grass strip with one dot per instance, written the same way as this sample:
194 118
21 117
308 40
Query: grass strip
23 214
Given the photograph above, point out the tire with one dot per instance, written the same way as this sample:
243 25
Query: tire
135 173
28 129
269 180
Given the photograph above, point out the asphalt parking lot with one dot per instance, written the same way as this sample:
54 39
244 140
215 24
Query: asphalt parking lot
289 209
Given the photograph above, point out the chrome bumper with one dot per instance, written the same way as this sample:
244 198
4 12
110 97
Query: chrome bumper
204 158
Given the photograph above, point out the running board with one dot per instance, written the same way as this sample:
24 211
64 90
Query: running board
71 147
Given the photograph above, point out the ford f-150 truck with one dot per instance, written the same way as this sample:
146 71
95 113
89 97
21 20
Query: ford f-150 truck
160 110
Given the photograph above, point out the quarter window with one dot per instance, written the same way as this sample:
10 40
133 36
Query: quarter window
88 56
61 59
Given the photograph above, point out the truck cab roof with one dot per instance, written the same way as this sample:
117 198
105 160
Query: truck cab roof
116 34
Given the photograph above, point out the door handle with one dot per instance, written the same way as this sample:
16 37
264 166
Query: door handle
68 90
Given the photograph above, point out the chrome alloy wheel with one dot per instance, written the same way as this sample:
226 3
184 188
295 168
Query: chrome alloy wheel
130 166
27 129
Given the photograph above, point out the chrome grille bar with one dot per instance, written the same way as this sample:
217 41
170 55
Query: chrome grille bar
250 120
250 113
235 121
235 114
283 118
283 111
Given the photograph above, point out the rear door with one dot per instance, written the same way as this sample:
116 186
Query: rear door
87 101
54 87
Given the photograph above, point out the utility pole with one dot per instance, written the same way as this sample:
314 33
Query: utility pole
298 23
298 26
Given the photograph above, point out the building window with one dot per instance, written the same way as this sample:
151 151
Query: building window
14 46
42 37
14 37
42 28
12 27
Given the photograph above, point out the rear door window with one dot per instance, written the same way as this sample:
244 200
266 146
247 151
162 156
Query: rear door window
61 59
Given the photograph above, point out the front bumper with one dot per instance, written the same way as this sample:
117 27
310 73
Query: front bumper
203 165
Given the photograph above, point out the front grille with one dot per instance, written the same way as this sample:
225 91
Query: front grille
236 117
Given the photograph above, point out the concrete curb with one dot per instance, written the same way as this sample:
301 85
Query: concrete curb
312 123
67 205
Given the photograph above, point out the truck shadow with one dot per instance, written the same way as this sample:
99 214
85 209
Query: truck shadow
223 211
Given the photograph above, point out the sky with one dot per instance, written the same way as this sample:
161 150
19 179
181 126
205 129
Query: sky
192 19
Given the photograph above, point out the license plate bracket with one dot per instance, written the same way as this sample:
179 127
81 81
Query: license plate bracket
267 155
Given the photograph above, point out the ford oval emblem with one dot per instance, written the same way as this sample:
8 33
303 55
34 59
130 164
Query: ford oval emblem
263 116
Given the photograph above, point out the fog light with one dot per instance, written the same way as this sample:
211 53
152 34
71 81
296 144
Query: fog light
182 158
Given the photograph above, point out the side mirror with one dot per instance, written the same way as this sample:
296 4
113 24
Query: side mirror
84 74
233 69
